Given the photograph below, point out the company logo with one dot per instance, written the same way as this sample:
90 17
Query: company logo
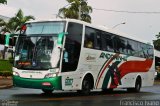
90 57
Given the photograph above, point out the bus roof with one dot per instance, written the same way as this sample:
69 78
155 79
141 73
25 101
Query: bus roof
103 28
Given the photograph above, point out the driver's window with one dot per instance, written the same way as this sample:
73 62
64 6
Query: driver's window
72 47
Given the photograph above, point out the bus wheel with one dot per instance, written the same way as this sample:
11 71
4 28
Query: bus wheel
137 86
86 86
46 91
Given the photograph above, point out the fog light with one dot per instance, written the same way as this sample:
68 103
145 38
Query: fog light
46 84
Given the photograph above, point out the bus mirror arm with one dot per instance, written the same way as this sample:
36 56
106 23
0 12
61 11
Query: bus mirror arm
64 49
61 48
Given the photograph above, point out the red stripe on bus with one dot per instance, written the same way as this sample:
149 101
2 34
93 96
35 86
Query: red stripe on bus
135 66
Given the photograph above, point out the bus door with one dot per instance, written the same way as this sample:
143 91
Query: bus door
71 54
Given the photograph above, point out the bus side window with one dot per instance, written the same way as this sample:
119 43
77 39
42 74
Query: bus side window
98 40
89 38
92 38
107 43
88 42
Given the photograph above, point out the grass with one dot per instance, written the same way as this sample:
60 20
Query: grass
5 68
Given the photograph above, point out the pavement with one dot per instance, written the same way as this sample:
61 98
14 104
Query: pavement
5 82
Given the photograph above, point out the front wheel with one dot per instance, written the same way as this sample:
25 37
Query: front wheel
86 87
46 91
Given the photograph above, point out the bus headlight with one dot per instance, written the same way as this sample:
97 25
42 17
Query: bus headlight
15 73
51 75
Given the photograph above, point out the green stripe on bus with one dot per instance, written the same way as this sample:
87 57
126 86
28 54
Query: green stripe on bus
106 80
100 71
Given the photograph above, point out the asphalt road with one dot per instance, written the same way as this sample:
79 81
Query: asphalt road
149 96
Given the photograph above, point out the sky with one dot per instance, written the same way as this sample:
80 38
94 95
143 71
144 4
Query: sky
138 25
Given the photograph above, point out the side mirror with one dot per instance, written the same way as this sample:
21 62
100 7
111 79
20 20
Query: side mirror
60 38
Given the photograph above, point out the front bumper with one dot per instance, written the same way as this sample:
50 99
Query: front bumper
56 83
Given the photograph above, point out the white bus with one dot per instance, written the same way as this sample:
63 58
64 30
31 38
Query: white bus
73 55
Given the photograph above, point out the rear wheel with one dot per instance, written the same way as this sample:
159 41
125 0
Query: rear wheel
137 86
46 91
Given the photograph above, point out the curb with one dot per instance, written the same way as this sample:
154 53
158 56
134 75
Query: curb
9 77
6 86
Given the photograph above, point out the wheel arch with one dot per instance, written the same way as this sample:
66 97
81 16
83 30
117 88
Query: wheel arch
90 75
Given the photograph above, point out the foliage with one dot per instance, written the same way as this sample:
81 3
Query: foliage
157 42
157 77
3 1
5 73
20 19
72 11
11 60
5 65
14 24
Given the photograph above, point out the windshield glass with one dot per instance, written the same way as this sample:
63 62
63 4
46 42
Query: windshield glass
45 28
36 52
36 47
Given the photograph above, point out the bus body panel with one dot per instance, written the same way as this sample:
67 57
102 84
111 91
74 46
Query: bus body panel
100 66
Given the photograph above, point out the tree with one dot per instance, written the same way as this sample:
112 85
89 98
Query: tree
157 58
157 42
3 1
14 24
77 9
20 19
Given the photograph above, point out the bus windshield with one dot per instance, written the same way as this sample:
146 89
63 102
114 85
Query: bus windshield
44 28
37 53
36 48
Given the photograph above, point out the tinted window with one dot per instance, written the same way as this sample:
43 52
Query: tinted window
150 52
131 47
92 38
107 43
120 44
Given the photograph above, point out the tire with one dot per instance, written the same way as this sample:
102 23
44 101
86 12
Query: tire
137 86
86 86
46 91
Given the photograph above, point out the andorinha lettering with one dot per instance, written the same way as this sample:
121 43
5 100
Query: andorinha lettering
108 56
